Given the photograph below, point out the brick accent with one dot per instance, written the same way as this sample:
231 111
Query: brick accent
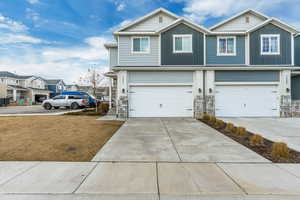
123 107
285 106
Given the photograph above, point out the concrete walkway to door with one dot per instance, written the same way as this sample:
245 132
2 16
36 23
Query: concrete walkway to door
173 140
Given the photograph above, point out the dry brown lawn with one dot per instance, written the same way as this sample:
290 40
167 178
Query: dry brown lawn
53 138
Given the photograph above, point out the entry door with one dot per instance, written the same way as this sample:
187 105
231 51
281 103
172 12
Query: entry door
161 101
247 101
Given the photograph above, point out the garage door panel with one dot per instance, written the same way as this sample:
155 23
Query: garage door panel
247 101
175 101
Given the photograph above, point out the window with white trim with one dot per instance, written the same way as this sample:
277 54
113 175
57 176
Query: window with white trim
270 44
226 46
183 43
140 45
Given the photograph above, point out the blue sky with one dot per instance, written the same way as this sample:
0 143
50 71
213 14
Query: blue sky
62 38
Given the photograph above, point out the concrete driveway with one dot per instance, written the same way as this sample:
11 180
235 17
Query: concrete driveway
173 140
21 110
276 129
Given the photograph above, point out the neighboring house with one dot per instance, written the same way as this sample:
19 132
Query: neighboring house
24 89
98 93
72 87
56 86
163 65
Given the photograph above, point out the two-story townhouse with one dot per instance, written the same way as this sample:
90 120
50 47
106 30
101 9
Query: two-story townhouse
163 65
24 89
56 86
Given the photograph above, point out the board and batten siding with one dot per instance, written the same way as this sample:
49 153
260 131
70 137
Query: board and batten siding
297 51
285 47
212 50
127 58
113 57
160 77
295 87
247 76
170 58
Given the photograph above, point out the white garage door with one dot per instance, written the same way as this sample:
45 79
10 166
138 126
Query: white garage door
161 101
247 101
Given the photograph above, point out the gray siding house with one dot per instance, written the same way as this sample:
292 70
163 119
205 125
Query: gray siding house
163 65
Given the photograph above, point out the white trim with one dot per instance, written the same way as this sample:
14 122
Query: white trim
140 52
234 46
136 33
292 49
204 49
118 50
186 22
147 16
160 84
258 14
275 22
201 67
247 49
247 83
269 38
227 33
159 49
182 36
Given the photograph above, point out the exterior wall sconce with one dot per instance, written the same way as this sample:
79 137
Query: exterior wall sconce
210 90
199 90
123 90
288 90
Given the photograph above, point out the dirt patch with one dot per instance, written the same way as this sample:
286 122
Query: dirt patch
53 138
263 150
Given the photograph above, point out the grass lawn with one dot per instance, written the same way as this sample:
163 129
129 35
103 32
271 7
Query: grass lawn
53 138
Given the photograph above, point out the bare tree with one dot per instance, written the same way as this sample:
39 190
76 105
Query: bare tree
94 78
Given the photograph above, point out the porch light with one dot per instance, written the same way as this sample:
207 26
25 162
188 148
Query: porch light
199 90
210 90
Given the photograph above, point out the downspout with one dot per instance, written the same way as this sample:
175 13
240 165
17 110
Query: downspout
204 91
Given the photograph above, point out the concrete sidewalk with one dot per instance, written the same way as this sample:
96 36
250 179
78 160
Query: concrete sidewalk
165 181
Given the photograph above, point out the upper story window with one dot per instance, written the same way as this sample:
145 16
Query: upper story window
183 43
140 45
270 44
226 46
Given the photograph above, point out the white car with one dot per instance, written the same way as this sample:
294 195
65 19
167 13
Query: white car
68 101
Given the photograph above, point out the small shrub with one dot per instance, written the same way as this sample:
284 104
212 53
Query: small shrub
241 131
256 140
219 123
212 120
103 107
206 117
229 127
280 150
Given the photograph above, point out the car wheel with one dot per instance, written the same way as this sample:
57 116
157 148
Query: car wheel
56 107
47 106
74 106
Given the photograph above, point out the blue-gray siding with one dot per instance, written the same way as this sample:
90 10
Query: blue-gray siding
211 52
295 87
160 77
170 58
255 47
246 76
297 51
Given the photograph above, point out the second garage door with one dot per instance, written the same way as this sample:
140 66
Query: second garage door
247 101
161 101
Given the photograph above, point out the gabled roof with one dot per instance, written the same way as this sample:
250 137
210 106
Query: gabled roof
12 75
256 13
146 17
184 21
110 45
276 22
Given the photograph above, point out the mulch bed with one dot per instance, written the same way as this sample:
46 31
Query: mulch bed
264 150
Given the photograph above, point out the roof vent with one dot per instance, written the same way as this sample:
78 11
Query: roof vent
160 19
247 19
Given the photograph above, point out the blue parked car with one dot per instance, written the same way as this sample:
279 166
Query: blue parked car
92 99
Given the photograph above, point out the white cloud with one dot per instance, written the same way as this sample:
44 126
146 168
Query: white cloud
33 1
121 6
18 38
7 24
200 10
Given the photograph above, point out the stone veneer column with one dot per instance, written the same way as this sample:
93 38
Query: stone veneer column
123 107
285 106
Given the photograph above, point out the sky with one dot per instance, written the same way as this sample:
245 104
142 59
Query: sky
61 39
